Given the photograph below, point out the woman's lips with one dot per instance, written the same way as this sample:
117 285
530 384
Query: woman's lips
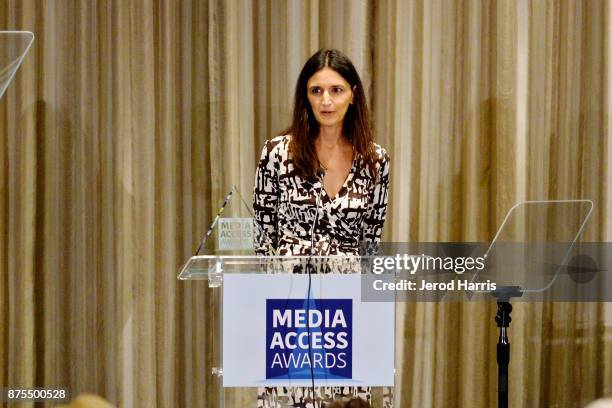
327 113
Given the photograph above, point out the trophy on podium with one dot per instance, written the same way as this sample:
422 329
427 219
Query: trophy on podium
232 232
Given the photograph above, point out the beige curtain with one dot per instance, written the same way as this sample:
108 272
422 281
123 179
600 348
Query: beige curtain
129 120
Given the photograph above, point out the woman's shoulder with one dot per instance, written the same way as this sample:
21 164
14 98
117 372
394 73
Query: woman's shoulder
381 157
276 148
381 162
280 140
277 145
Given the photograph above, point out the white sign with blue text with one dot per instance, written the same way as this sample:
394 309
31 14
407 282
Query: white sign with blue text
275 335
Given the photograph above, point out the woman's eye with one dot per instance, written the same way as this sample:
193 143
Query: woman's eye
315 91
337 90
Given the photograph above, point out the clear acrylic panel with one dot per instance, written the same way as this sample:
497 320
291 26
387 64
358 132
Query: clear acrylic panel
534 242
242 285
14 45
209 267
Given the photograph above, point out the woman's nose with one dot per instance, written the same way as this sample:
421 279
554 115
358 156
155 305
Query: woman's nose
326 97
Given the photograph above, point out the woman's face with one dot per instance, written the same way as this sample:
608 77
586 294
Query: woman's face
330 96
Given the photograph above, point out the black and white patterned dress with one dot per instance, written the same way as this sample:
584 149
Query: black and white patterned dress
285 205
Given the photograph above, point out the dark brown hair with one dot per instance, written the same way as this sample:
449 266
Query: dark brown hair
304 128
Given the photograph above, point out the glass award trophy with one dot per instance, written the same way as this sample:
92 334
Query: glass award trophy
14 45
232 232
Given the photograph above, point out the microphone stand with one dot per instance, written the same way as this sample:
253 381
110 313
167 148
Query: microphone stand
503 295
320 175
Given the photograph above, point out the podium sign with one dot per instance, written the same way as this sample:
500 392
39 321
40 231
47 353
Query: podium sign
265 332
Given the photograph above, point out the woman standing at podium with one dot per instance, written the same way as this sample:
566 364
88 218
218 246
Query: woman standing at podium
326 159
321 188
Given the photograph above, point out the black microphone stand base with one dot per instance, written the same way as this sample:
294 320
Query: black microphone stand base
503 319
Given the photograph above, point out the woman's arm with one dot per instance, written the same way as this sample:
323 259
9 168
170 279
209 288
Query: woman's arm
377 208
265 201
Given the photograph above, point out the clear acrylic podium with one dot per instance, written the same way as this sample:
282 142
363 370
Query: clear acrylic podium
263 314
279 322
14 45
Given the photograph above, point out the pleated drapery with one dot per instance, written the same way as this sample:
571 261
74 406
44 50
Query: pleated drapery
129 121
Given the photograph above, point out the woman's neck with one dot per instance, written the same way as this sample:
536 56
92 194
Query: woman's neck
330 137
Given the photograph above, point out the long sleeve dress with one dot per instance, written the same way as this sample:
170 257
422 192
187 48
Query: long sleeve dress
285 203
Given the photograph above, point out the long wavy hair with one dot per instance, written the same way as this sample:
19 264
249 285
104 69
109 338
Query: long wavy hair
304 129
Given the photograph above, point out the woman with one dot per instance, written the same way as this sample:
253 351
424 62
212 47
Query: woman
322 186
327 160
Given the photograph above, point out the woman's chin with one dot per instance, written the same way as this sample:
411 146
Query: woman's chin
331 122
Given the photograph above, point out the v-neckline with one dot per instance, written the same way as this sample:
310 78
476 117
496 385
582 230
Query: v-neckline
342 191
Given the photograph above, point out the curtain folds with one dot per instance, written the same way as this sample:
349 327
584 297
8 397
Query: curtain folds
130 120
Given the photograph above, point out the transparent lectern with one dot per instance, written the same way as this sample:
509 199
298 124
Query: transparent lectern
525 260
14 45
288 328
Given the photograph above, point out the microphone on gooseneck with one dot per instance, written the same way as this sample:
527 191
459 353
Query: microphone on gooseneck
320 174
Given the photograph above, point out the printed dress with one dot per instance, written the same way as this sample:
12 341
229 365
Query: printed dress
285 203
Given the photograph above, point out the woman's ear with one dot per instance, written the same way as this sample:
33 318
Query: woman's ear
353 89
